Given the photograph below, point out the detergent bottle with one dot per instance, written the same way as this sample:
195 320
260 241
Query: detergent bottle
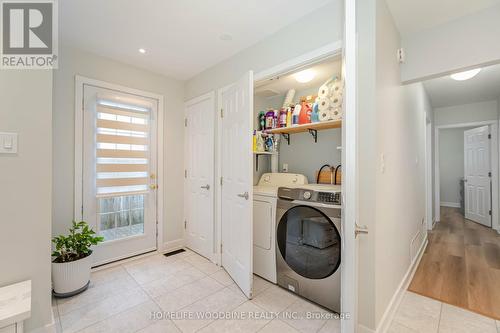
305 113
295 115
282 118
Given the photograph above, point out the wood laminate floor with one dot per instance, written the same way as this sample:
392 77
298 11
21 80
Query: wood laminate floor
461 265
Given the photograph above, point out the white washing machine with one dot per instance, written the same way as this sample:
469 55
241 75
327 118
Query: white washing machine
265 195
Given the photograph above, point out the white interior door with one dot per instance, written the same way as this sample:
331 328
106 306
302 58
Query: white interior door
119 171
477 169
236 190
199 183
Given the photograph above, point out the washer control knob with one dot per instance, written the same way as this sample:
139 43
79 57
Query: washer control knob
307 195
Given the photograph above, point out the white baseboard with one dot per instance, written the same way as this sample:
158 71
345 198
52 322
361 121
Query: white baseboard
450 204
49 328
172 245
388 316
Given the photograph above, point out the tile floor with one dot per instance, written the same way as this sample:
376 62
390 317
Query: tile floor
123 299
419 314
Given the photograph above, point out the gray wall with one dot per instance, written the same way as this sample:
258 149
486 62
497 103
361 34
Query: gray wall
466 113
25 187
72 62
314 30
451 164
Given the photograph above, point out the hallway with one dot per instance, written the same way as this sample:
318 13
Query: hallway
461 265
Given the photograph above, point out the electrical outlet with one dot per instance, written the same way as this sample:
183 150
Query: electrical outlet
382 163
285 167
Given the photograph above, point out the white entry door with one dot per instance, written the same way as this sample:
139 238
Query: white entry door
236 190
477 169
119 171
199 173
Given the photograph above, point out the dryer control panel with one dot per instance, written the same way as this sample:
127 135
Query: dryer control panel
329 197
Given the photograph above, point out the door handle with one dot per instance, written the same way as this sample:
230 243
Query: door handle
360 230
244 195
206 187
153 186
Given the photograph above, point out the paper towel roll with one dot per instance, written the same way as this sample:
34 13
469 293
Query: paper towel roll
336 87
336 101
336 114
323 91
325 115
289 98
323 104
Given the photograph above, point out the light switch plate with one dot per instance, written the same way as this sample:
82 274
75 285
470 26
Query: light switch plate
8 143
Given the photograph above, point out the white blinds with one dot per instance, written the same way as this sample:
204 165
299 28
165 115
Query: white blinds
122 149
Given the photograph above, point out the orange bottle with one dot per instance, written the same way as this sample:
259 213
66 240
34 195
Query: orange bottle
305 113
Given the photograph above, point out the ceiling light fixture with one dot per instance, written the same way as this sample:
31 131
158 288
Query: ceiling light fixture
305 76
462 76
142 51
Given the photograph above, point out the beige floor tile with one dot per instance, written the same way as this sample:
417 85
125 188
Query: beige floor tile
398 328
252 319
259 285
418 313
204 311
277 326
275 299
222 277
457 320
154 268
202 264
305 316
188 294
95 312
128 321
331 326
173 281
101 290
161 326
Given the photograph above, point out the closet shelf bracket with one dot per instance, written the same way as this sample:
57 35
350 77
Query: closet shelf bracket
314 133
287 137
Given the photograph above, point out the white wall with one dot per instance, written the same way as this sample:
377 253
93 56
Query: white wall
462 43
25 187
316 29
466 113
391 164
72 62
451 164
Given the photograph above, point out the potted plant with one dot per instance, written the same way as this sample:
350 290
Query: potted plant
73 260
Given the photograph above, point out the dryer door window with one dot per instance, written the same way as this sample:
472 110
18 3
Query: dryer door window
309 242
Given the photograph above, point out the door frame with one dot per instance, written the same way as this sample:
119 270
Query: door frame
80 82
495 223
428 172
211 96
306 59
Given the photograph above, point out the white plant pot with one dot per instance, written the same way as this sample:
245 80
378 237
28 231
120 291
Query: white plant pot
71 278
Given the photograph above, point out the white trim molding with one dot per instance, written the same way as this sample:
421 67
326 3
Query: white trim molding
80 81
495 152
388 316
450 204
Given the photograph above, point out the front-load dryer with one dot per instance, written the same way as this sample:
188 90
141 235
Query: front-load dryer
264 220
308 240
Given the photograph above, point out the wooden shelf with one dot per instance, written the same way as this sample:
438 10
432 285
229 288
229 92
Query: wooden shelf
324 125
265 153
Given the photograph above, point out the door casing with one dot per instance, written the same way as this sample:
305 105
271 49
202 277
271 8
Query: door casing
80 81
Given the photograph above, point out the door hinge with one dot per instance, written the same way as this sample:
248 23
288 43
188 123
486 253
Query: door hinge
82 211
489 136
489 174
185 224
490 212
185 122
221 248
185 173
222 113
221 180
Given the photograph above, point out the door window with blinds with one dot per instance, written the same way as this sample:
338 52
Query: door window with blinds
119 163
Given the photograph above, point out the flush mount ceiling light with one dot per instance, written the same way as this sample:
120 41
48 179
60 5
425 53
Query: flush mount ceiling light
142 51
462 76
304 76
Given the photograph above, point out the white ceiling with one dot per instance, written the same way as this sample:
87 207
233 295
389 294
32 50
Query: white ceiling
416 15
324 71
445 91
181 37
